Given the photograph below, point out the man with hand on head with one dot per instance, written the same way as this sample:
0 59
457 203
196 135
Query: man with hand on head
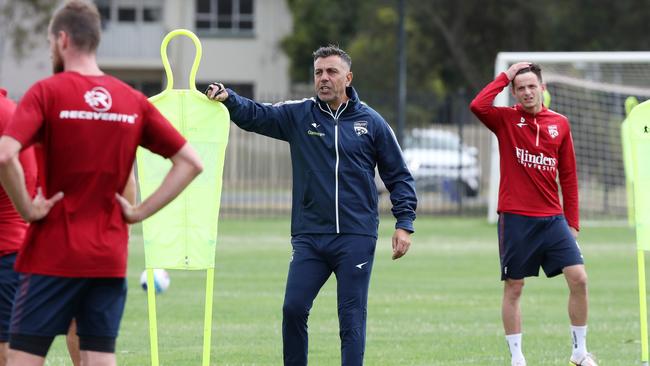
535 230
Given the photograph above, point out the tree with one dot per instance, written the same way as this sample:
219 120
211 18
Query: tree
318 24
452 45
23 23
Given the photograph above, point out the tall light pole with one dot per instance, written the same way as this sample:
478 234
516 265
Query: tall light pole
401 72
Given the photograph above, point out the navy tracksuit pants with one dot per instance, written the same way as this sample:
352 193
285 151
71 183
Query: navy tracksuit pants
314 259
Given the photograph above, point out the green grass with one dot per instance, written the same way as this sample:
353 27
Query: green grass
439 305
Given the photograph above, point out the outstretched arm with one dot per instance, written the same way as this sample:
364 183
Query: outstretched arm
266 119
186 165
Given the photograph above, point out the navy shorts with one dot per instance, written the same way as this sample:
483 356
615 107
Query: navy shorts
8 284
45 306
526 243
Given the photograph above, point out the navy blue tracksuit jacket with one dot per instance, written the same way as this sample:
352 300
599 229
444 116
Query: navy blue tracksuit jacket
334 154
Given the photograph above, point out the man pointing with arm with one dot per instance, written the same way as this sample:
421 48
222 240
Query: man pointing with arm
335 141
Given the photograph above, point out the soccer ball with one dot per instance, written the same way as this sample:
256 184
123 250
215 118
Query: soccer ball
161 280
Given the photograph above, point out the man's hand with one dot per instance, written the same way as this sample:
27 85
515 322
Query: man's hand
41 206
129 211
216 91
514 69
574 232
401 243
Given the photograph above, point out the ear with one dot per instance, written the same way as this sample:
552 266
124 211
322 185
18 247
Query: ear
348 79
63 40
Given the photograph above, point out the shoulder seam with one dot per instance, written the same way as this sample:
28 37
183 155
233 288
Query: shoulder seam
288 102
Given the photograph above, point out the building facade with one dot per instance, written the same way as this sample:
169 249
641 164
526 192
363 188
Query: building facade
240 41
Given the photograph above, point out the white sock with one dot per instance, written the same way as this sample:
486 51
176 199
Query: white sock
514 344
579 338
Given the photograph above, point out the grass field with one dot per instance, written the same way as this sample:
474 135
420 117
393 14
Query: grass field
439 305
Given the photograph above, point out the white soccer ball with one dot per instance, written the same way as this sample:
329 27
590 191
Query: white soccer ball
161 280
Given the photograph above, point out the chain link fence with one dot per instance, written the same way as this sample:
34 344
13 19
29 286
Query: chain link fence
449 160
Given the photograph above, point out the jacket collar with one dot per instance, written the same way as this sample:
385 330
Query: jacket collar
352 103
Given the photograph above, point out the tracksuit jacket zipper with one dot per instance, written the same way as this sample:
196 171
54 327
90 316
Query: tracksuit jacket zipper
336 117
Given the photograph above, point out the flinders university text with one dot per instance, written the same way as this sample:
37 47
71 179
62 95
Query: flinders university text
535 161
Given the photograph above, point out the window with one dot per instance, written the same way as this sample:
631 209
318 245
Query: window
246 14
126 14
151 14
104 8
129 11
234 17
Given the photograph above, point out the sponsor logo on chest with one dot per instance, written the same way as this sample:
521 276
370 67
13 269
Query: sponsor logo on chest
316 133
535 161
522 122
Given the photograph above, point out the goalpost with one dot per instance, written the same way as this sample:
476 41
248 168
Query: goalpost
589 88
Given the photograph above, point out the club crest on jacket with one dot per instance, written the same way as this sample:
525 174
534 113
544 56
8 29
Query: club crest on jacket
361 127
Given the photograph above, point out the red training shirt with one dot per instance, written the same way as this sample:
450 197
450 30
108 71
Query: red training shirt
534 150
89 128
12 226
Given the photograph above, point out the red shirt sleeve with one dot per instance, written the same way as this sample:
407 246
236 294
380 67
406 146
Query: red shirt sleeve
483 105
27 121
569 181
7 108
158 134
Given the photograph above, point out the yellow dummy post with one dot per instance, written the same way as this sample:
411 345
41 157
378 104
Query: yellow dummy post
638 127
183 234
626 144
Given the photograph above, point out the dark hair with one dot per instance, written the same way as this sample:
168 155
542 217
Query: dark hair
534 68
80 20
332 50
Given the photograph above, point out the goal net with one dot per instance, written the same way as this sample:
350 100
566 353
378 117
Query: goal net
590 88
